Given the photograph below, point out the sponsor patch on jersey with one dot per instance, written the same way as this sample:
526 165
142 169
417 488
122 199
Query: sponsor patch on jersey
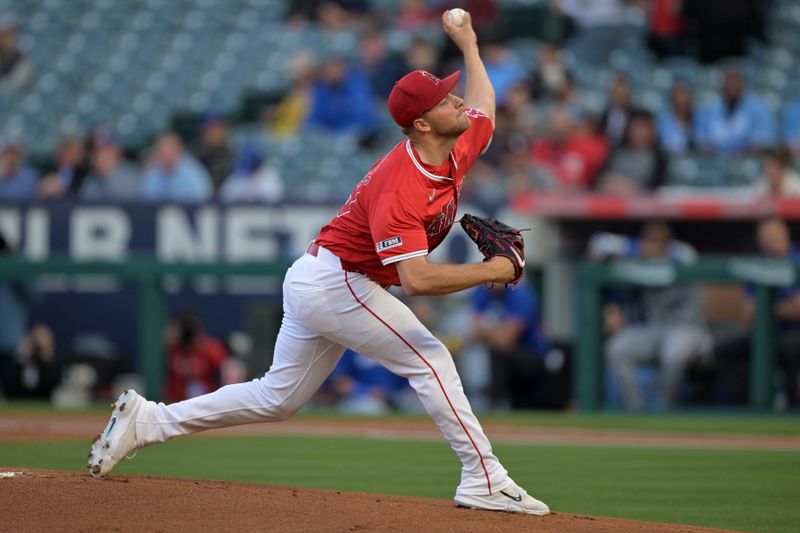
393 242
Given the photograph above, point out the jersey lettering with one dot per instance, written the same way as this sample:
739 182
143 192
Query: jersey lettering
353 198
443 220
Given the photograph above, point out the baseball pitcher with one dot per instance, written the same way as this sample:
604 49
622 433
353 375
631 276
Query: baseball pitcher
335 297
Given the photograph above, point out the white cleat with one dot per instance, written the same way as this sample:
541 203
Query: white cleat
118 439
513 499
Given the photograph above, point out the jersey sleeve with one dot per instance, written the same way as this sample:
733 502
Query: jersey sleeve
475 140
397 232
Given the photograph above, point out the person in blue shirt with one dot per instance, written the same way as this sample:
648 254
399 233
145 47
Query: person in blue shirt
17 180
67 170
677 124
773 240
671 332
791 126
507 322
174 175
738 121
359 384
342 101
503 71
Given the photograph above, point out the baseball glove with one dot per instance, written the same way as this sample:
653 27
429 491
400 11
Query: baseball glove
495 238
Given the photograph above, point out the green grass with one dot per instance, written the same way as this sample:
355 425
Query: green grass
734 489
703 423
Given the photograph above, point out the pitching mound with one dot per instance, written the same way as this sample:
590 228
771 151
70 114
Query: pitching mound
41 500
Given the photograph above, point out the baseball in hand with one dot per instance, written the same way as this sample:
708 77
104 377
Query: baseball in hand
456 16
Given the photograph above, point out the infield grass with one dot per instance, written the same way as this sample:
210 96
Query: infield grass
751 490
734 422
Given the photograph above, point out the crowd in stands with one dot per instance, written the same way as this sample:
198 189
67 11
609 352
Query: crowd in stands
548 136
98 169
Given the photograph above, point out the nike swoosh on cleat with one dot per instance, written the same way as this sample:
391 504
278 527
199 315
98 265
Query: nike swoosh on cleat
111 426
517 498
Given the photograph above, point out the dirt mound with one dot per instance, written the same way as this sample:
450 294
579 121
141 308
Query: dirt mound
41 500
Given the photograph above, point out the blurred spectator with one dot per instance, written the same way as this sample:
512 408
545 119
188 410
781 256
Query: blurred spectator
597 26
253 179
382 66
791 126
665 22
17 179
518 108
416 14
342 101
520 177
570 154
638 165
214 150
342 15
503 70
421 54
111 176
673 332
27 368
736 122
300 12
720 28
360 385
15 68
194 359
778 176
34 373
333 15
69 168
173 175
774 242
292 111
486 187
551 79
614 120
15 298
677 124
507 322
515 124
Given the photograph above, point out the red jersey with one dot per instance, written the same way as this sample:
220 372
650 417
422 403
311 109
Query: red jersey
403 208
194 370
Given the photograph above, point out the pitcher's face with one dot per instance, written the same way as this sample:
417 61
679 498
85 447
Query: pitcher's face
447 118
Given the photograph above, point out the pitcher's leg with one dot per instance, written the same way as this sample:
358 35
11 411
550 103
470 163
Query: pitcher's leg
301 363
384 329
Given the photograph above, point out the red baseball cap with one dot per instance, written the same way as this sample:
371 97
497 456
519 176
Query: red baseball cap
416 92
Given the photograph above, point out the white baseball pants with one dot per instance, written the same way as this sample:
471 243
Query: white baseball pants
325 310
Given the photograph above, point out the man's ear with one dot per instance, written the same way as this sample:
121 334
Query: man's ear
422 125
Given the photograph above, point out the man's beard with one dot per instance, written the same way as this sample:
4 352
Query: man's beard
452 131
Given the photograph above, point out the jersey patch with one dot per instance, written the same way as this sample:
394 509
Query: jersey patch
393 242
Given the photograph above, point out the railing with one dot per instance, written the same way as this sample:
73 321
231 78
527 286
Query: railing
764 274
147 274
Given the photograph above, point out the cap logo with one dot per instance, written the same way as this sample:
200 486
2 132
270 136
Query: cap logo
430 76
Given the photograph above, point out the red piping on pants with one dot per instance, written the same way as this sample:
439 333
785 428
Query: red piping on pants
489 483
